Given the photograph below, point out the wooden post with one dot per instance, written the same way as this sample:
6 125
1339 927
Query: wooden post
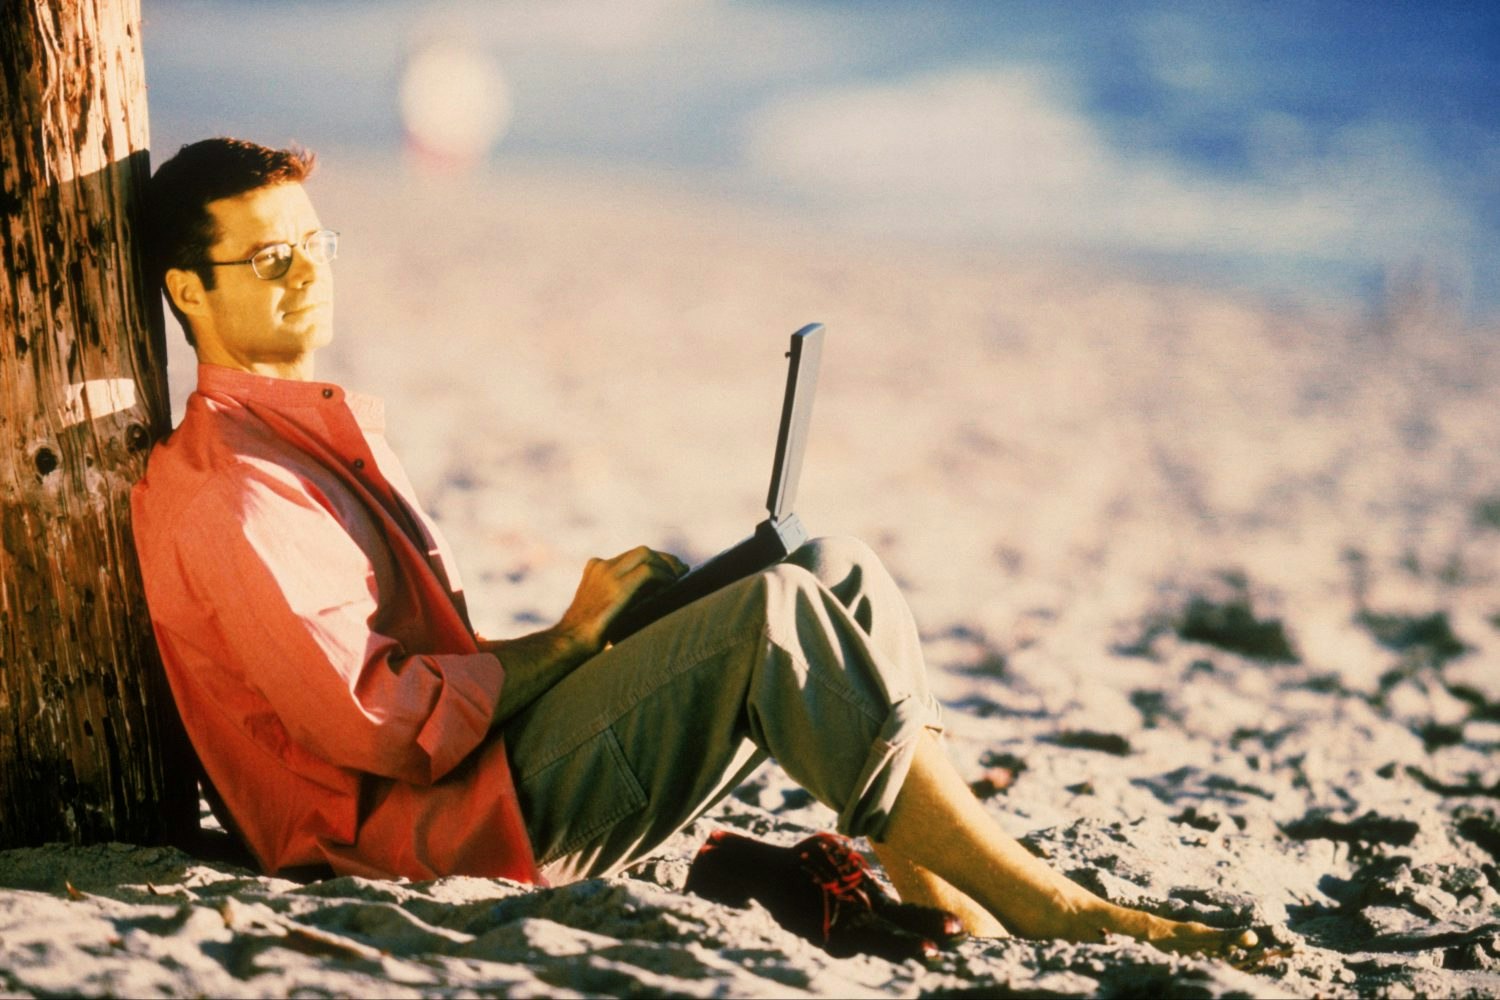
83 395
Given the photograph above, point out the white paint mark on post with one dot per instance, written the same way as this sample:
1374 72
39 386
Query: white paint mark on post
97 398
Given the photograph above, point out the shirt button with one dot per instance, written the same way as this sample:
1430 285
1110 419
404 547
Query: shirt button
327 393
359 463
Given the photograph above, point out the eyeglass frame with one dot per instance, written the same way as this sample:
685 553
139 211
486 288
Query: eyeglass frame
291 247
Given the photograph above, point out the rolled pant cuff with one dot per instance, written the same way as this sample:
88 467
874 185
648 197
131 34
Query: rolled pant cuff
868 810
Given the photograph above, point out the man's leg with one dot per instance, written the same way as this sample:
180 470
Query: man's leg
992 868
862 584
915 884
815 662
937 826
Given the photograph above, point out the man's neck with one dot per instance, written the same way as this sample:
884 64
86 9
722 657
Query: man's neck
301 371
298 369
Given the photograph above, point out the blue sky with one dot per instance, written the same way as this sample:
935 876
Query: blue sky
1295 148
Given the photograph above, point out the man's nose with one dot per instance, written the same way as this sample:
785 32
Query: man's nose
303 270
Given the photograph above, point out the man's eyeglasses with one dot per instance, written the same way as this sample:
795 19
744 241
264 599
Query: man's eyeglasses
270 263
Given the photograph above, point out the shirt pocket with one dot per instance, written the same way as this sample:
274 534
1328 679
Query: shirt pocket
571 801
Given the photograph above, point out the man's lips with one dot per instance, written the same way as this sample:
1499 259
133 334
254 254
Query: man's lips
303 308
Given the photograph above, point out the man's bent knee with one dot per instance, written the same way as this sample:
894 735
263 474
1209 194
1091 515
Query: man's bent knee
834 559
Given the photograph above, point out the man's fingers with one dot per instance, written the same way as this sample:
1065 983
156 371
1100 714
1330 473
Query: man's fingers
663 563
637 577
643 580
677 566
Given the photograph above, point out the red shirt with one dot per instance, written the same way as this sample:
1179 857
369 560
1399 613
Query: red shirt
313 630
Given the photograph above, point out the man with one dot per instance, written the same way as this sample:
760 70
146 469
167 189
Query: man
313 628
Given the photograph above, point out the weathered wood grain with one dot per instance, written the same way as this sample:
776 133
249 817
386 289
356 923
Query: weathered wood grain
82 396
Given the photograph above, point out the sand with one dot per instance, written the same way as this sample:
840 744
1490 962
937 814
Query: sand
1206 584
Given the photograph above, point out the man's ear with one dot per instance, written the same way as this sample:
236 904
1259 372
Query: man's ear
187 291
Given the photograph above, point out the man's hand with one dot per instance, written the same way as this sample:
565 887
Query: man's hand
533 663
610 584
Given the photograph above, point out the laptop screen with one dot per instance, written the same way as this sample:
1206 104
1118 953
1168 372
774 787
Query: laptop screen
796 414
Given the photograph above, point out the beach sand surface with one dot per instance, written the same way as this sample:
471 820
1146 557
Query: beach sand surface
1207 586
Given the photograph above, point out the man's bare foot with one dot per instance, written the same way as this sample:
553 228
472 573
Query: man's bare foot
978 921
1183 937
915 884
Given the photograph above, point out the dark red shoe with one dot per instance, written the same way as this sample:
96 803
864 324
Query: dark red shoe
821 890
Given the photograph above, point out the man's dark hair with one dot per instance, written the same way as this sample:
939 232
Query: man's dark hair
179 230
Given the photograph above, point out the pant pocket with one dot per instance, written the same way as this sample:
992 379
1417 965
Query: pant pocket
575 798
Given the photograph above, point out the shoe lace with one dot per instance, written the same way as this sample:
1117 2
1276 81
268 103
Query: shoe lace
839 872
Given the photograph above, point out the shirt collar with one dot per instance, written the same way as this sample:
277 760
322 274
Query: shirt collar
286 393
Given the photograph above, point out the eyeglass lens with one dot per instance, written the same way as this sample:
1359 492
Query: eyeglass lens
274 261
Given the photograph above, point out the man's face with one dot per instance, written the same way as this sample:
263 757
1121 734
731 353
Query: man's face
258 324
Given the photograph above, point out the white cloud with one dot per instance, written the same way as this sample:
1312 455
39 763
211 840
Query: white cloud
1007 152
954 135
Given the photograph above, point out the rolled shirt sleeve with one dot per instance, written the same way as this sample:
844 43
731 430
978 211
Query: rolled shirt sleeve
311 615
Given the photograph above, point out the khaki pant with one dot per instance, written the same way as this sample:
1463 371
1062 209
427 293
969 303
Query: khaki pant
814 662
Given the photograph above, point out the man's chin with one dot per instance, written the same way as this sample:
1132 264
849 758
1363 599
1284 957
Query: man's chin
313 332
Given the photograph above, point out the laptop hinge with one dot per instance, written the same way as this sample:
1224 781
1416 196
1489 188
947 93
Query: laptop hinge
786 533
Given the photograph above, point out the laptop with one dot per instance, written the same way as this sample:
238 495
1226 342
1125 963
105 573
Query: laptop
778 535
